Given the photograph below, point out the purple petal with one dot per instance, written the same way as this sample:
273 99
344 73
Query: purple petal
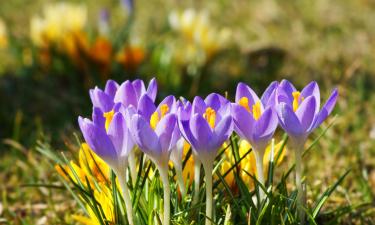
306 112
126 94
201 132
184 125
284 92
152 89
269 96
215 101
244 90
139 88
331 102
326 110
164 130
119 133
170 101
111 88
264 128
312 89
243 121
101 100
287 87
97 117
223 130
146 107
288 120
98 140
144 136
199 106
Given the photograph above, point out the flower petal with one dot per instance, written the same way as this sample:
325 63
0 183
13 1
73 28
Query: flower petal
269 95
215 101
184 126
199 106
264 128
97 117
243 121
111 88
202 132
223 131
306 112
152 89
126 94
164 130
312 89
146 107
326 110
288 120
144 136
170 101
118 132
244 90
101 100
139 88
98 140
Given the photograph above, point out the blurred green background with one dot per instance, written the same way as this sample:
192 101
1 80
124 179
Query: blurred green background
192 48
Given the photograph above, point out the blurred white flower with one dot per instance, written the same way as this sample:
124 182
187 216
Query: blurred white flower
201 36
57 21
3 35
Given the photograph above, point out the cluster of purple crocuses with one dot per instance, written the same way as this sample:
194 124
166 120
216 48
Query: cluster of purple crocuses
125 117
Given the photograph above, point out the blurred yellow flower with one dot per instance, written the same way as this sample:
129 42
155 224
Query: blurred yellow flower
58 21
247 165
105 199
89 166
195 27
3 35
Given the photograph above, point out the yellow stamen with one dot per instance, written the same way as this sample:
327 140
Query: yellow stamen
257 110
244 102
297 99
210 116
108 118
164 110
155 118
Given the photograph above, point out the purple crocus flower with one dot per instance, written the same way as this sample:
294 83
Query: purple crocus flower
299 112
128 93
206 126
112 144
156 133
155 129
255 121
104 99
255 118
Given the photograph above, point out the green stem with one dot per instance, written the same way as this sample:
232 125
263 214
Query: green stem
301 193
180 180
167 193
125 192
208 167
133 166
197 176
260 173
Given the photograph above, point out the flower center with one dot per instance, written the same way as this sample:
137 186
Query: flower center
155 118
297 100
210 116
108 118
256 109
